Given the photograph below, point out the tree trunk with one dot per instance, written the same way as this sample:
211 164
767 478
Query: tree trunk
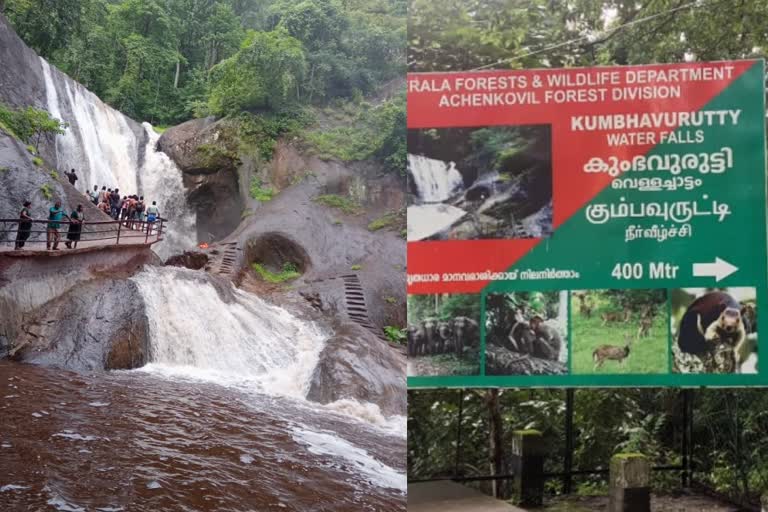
496 439
178 72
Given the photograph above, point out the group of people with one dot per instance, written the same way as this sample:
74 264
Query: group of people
130 209
56 214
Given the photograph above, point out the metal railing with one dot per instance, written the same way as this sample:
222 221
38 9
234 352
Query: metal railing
114 232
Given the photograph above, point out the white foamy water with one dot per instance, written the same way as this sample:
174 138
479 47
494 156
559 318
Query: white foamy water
161 181
99 143
68 434
425 220
435 180
323 443
12 487
195 333
370 414
105 151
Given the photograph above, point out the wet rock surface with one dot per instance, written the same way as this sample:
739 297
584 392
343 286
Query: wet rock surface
194 260
22 180
206 153
100 325
354 364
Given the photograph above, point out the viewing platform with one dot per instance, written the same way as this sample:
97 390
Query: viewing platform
95 236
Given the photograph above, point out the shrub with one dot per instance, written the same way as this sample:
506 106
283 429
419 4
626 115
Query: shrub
345 204
288 273
260 192
356 267
30 125
395 334
47 191
37 161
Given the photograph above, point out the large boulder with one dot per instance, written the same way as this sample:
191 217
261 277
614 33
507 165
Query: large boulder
100 325
356 365
206 151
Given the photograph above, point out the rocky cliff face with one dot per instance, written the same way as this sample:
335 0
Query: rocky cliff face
203 150
356 365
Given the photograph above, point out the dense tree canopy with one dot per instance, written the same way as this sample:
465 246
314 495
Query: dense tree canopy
466 34
165 60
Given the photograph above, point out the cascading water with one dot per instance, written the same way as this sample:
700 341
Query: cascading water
244 341
233 338
161 181
110 150
99 142
435 180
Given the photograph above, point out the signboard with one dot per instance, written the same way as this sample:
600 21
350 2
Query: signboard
587 227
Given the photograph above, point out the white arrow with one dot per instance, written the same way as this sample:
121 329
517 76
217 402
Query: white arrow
720 269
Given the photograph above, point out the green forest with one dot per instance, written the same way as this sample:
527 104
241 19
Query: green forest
270 64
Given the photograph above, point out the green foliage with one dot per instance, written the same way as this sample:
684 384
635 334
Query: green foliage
262 75
30 125
4 169
647 355
164 61
257 134
288 272
395 334
37 161
372 132
356 267
442 307
47 191
260 192
390 220
217 155
54 175
390 300
343 203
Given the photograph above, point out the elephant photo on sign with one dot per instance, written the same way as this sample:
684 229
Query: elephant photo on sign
443 335
526 333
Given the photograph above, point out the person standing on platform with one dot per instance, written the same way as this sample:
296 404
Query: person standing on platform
25 226
55 214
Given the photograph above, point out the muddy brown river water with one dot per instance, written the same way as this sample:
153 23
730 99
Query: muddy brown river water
139 441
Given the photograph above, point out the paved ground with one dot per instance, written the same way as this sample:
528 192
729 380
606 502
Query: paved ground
659 503
452 497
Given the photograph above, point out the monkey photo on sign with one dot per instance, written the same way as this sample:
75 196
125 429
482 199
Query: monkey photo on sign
526 333
716 332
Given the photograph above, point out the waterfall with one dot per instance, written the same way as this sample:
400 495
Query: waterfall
99 142
161 181
435 180
227 336
109 149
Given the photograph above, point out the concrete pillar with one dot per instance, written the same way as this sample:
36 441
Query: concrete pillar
528 451
629 486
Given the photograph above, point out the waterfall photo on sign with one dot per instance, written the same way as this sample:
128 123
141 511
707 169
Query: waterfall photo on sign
467 183
203 256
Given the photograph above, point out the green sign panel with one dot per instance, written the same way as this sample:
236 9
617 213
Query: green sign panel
587 227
